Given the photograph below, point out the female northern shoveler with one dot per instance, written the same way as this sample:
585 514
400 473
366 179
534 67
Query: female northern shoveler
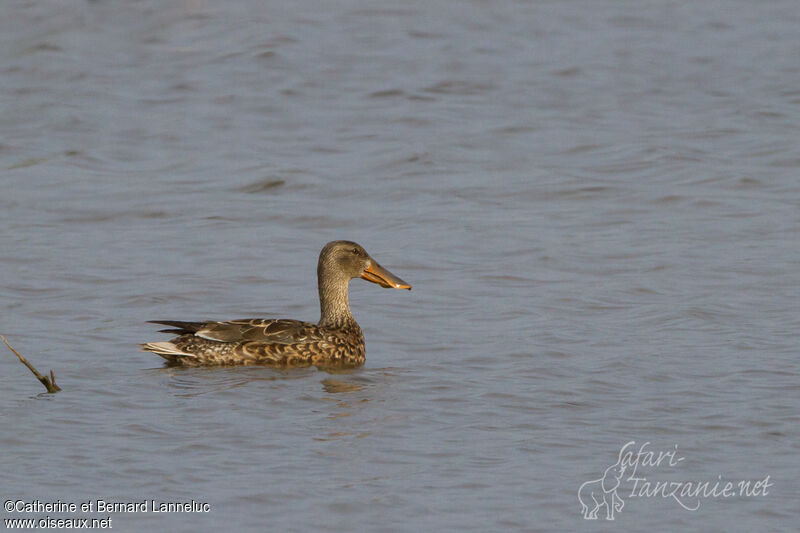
335 340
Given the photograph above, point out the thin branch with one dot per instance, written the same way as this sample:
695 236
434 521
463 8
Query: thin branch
49 383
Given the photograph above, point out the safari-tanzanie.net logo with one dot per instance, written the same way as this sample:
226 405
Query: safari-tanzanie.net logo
634 475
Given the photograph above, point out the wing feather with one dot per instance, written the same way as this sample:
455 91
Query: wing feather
279 331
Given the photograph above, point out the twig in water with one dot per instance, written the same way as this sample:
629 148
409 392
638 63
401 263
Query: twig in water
49 383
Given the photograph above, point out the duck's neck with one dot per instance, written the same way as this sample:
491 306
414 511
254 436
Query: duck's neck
333 301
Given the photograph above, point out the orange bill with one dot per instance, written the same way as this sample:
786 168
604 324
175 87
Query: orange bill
377 274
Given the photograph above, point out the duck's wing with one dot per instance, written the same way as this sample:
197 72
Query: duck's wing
276 331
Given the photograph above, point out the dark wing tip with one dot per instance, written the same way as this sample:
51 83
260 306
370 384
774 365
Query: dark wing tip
180 327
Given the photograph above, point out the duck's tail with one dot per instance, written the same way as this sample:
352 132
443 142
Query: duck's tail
167 350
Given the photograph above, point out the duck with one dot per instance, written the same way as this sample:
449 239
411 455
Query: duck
336 340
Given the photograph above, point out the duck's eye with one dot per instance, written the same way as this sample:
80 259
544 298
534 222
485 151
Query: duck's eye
355 251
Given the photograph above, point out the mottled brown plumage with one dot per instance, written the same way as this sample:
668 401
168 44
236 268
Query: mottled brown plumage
335 341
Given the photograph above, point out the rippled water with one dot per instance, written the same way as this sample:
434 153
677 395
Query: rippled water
596 202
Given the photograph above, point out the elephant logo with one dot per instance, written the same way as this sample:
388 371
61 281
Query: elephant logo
601 492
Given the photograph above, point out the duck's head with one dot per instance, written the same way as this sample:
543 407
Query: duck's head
348 260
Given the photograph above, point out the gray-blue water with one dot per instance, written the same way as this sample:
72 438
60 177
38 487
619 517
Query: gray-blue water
596 202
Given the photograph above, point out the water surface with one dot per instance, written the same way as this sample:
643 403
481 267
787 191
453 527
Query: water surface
596 203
